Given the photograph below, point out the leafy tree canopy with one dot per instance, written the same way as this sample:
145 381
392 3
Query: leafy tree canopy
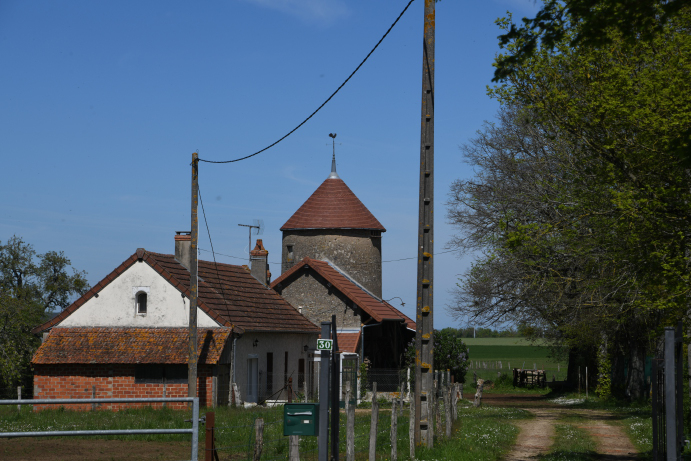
592 20
31 287
580 208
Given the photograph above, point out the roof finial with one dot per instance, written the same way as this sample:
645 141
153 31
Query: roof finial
333 174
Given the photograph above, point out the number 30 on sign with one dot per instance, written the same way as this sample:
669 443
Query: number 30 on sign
325 344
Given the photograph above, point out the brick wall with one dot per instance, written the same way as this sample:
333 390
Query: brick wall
112 381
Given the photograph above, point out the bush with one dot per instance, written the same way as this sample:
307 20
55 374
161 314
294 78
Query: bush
450 353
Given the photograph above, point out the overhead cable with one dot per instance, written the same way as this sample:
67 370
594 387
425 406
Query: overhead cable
323 104
359 264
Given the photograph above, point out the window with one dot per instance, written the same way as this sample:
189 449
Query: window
301 375
270 373
159 374
141 298
289 249
141 303
285 371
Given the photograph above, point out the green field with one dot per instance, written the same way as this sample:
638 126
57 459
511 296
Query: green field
501 342
489 356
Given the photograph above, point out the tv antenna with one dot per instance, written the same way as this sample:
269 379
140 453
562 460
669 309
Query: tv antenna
256 224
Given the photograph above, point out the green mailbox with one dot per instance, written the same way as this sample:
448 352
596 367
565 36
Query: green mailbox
301 419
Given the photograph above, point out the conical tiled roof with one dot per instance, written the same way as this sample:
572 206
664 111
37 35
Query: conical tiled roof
333 206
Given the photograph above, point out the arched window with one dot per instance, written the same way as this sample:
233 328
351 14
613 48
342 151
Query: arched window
141 302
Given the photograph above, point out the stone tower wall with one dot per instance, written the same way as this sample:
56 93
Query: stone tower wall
356 251
317 301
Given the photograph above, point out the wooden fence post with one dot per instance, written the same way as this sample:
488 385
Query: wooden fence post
210 453
411 428
457 396
374 423
449 411
431 399
437 404
394 431
478 393
350 425
19 397
294 448
258 439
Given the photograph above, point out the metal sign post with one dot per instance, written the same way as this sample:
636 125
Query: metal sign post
324 362
335 391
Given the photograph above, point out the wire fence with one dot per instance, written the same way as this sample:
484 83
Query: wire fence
262 436
493 370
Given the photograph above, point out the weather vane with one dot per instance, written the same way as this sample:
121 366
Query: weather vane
333 158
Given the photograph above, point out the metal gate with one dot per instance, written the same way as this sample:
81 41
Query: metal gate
193 431
667 398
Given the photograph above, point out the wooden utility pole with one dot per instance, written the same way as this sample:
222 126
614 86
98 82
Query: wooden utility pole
424 332
192 361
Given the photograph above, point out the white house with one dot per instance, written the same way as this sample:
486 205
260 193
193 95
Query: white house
128 336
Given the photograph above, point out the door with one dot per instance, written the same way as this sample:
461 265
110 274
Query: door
252 379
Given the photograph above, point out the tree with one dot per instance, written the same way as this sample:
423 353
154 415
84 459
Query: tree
581 207
449 353
32 286
593 21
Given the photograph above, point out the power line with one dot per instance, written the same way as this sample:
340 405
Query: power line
323 104
360 264
199 191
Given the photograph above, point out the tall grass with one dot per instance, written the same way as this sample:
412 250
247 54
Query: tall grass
480 433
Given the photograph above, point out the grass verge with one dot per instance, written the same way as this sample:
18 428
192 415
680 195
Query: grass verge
484 433
571 444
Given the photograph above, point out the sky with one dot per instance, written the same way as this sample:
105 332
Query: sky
103 104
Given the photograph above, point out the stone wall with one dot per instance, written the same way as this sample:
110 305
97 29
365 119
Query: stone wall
75 381
310 294
357 252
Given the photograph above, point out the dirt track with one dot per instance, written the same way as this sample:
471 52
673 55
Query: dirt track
537 435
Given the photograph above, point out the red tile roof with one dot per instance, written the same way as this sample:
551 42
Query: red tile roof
333 206
129 345
348 342
228 294
377 309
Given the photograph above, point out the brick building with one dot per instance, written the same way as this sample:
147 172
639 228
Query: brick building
128 336
332 265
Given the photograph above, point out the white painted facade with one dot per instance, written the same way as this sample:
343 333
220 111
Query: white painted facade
116 304
251 358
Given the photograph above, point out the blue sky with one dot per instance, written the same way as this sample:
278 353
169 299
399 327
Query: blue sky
104 103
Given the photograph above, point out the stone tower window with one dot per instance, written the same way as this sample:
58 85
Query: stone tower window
290 256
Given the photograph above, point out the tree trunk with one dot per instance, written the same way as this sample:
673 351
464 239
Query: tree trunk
618 375
636 379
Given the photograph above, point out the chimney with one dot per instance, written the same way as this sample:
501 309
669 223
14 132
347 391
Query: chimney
260 265
183 247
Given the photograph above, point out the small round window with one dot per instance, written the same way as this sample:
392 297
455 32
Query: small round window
141 302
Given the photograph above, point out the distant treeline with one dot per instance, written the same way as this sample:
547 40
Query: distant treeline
470 332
